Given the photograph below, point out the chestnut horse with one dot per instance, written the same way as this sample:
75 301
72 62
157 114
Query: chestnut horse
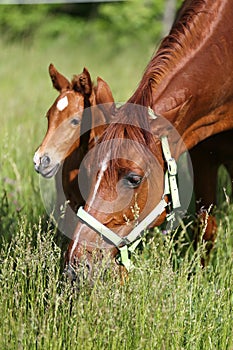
188 82
62 148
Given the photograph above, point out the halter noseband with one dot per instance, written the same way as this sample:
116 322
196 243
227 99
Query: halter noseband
128 244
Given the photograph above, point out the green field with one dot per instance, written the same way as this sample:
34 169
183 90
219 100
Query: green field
169 301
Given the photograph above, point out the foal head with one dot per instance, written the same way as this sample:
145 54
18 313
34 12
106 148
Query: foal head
66 118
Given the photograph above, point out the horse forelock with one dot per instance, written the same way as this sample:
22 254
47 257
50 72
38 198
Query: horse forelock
131 126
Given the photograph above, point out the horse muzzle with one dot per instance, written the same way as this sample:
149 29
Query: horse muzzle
44 166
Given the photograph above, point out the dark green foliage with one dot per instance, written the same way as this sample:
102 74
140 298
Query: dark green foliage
121 21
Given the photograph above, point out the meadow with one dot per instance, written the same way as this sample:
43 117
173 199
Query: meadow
168 302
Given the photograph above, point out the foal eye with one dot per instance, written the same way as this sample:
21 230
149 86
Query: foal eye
75 121
133 180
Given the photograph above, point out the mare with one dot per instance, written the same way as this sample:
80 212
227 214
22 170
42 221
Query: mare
189 83
71 133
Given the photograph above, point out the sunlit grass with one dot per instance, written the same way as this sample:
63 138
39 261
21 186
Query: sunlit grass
159 306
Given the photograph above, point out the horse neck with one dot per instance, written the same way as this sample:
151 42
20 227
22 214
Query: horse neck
191 83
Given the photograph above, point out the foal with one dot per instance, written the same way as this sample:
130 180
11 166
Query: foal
75 122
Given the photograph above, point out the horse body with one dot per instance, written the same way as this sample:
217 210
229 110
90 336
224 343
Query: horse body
189 82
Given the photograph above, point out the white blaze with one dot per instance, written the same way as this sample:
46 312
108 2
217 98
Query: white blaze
62 103
100 176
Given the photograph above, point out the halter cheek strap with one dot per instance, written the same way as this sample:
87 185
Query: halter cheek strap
128 244
170 176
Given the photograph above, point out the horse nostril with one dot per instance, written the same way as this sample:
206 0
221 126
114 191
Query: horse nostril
45 161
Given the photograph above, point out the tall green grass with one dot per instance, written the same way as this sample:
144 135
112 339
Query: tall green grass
168 302
160 306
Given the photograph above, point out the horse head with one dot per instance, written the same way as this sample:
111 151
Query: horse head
66 118
127 184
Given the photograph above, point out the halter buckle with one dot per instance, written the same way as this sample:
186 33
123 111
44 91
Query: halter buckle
172 167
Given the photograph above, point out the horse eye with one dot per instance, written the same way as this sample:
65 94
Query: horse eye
133 180
75 121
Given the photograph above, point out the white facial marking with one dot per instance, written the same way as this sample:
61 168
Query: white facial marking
62 103
100 175
36 158
74 246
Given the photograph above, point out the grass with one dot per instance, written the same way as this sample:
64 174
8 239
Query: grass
159 307
168 302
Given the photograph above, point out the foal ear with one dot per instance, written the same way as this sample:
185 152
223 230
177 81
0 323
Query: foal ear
104 98
60 83
82 83
103 92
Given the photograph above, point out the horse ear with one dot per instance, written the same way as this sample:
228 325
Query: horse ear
104 98
60 83
103 92
82 83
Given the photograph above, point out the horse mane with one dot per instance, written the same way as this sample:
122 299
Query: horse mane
185 35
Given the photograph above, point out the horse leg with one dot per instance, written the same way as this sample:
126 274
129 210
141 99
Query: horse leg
205 183
229 167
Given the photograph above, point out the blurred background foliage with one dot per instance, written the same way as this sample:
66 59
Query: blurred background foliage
123 22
